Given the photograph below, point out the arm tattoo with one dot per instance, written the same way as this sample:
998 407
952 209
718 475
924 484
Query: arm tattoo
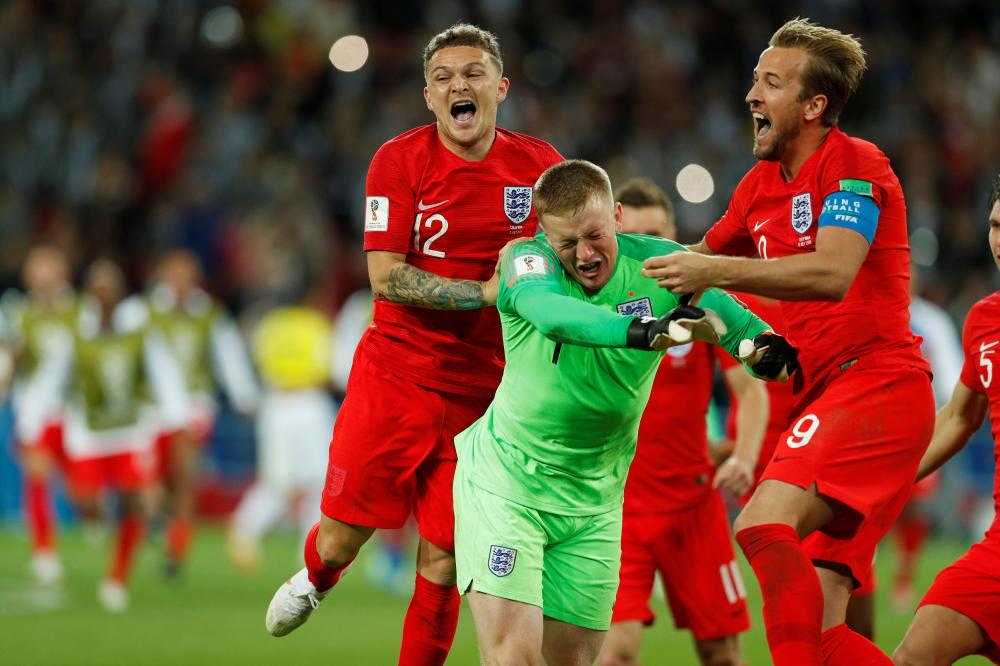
411 286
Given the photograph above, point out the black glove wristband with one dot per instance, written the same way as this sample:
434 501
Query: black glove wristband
637 336
779 356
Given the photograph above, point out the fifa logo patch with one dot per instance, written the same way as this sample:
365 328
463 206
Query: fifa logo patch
517 203
640 307
502 560
802 212
530 264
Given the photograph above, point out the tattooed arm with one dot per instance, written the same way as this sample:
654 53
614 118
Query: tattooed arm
395 280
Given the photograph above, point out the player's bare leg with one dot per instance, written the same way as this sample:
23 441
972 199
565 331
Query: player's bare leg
330 547
37 466
723 651
861 615
509 633
565 644
622 643
938 636
180 497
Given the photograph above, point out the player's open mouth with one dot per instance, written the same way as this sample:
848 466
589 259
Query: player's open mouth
463 112
589 269
761 125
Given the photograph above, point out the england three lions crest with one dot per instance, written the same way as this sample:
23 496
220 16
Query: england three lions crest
502 560
517 203
802 212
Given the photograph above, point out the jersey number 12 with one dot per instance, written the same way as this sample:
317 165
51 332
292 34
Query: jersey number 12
429 224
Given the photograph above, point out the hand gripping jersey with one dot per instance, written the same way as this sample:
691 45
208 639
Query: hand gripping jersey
561 431
450 217
847 182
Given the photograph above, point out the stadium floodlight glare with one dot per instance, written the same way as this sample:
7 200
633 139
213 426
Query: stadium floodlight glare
695 183
222 27
349 53
924 247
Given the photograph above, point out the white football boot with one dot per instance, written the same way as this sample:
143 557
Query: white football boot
112 595
46 568
292 604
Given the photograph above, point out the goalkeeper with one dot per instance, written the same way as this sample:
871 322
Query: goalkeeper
538 488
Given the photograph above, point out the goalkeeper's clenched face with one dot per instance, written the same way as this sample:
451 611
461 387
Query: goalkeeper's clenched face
585 241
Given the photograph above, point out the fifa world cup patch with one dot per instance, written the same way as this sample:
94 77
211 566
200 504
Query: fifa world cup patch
502 560
377 214
802 212
639 307
530 264
517 203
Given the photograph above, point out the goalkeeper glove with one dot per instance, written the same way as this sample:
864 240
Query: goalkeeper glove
678 327
770 356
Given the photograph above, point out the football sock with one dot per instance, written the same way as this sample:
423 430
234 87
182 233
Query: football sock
793 599
431 621
178 539
129 533
910 535
321 576
842 647
38 514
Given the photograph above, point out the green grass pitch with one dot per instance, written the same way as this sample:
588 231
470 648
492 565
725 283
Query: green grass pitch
215 615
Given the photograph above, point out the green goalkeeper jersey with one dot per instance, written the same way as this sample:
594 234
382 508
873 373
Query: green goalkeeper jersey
561 431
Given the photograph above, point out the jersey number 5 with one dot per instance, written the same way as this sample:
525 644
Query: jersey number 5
984 361
428 224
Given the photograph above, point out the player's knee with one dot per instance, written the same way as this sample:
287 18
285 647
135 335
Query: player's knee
334 550
907 655
618 656
436 564
514 651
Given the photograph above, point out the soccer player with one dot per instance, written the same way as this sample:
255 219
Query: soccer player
293 348
823 216
207 345
105 374
538 489
960 614
442 200
39 329
674 521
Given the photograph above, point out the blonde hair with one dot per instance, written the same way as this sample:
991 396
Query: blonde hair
464 34
836 62
566 188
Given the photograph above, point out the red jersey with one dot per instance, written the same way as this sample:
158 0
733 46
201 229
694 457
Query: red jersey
981 373
770 218
779 394
450 217
671 468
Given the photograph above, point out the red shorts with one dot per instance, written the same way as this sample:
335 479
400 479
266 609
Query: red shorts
971 586
693 551
123 471
859 441
393 453
51 442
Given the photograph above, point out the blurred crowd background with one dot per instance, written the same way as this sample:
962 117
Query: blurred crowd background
128 127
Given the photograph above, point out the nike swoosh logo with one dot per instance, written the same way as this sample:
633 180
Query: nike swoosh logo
422 206
983 346
760 224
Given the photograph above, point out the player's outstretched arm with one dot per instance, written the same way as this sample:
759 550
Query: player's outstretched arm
956 421
395 280
825 274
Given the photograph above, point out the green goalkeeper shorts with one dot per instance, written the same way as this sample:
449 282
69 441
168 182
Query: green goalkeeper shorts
566 565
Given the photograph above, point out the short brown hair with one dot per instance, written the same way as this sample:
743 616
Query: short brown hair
836 63
566 188
994 194
464 34
644 193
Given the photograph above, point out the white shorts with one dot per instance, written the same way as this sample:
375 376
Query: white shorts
293 435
